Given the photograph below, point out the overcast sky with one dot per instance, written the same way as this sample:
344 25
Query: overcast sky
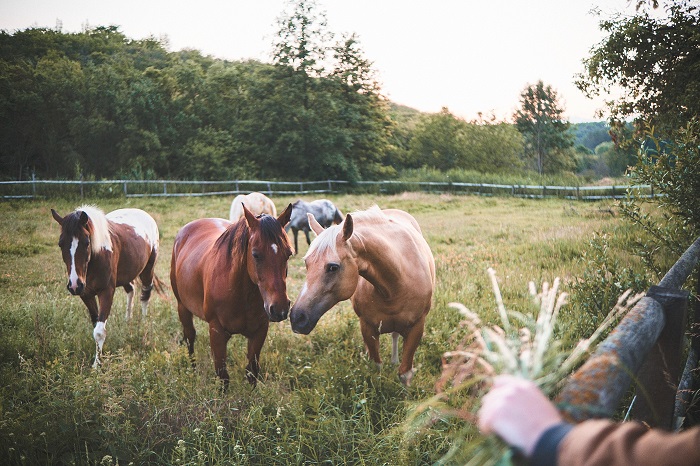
467 55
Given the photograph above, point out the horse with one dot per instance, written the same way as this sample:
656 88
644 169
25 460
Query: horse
232 276
257 203
380 261
323 210
104 252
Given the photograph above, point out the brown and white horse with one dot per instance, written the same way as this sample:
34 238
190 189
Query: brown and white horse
233 276
380 260
257 203
104 252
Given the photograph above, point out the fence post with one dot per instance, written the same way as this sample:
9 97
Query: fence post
33 185
165 188
658 377
125 193
81 186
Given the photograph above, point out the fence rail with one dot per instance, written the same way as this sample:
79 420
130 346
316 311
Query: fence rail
41 189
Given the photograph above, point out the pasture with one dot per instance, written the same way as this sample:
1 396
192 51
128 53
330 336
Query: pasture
319 400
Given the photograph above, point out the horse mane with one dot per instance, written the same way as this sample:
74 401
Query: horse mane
100 237
326 240
234 240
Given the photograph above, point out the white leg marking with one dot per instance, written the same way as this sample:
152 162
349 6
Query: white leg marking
144 308
73 276
394 347
129 303
99 334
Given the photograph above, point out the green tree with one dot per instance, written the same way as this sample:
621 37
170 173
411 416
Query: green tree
654 59
438 142
547 138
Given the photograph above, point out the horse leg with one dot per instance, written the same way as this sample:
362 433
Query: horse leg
91 305
218 338
147 277
255 344
188 329
394 347
105 299
410 343
308 240
296 243
371 337
129 288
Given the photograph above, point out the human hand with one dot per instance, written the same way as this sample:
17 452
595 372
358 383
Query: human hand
518 412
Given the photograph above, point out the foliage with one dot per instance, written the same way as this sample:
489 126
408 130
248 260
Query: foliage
546 133
445 142
672 168
97 104
653 60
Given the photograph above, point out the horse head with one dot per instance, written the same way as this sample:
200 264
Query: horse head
268 252
74 241
332 274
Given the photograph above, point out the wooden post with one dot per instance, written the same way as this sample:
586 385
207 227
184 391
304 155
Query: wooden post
657 379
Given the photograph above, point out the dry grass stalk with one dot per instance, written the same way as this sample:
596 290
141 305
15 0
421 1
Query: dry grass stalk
533 351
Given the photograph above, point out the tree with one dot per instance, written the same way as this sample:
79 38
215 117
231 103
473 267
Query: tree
547 138
438 142
654 60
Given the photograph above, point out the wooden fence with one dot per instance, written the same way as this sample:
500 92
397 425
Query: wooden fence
169 188
647 346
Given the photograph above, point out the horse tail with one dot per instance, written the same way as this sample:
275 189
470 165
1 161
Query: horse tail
160 287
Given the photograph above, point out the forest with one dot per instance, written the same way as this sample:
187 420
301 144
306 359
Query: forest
98 105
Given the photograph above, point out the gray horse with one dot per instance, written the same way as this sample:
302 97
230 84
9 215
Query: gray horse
322 209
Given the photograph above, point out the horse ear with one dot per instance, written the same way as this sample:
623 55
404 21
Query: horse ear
57 217
347 227
338 216
83 218
313 223
285 216
249 217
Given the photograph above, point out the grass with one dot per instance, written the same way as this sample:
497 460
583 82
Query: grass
320 400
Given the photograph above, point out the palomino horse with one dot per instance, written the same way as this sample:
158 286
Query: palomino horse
103 252
323 211
257 203
233 276
380 260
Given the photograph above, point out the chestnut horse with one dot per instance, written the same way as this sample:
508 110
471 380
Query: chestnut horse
103 252
380 260
233 276
257 203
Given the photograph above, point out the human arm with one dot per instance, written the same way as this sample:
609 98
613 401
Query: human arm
518 412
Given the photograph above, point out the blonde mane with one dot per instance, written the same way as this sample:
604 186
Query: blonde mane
326 240
101 239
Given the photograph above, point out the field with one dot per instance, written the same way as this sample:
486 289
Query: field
320 400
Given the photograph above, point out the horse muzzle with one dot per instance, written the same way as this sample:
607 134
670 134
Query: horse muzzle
301 323
277 313
77 289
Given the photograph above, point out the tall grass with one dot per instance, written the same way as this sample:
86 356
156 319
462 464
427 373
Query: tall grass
320 400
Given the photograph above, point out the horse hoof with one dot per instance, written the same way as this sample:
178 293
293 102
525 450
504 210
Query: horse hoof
407 377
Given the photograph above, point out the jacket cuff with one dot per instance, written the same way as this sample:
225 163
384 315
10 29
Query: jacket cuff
545 453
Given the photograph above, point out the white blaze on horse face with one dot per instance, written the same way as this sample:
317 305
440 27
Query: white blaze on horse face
73 275
274 248
304 289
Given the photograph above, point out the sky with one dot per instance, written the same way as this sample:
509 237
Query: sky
471 56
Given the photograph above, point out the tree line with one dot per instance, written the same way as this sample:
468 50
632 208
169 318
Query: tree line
98 104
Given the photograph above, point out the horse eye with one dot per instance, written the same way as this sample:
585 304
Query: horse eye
256 256
332 267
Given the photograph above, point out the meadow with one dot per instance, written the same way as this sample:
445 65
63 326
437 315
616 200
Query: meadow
320 400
